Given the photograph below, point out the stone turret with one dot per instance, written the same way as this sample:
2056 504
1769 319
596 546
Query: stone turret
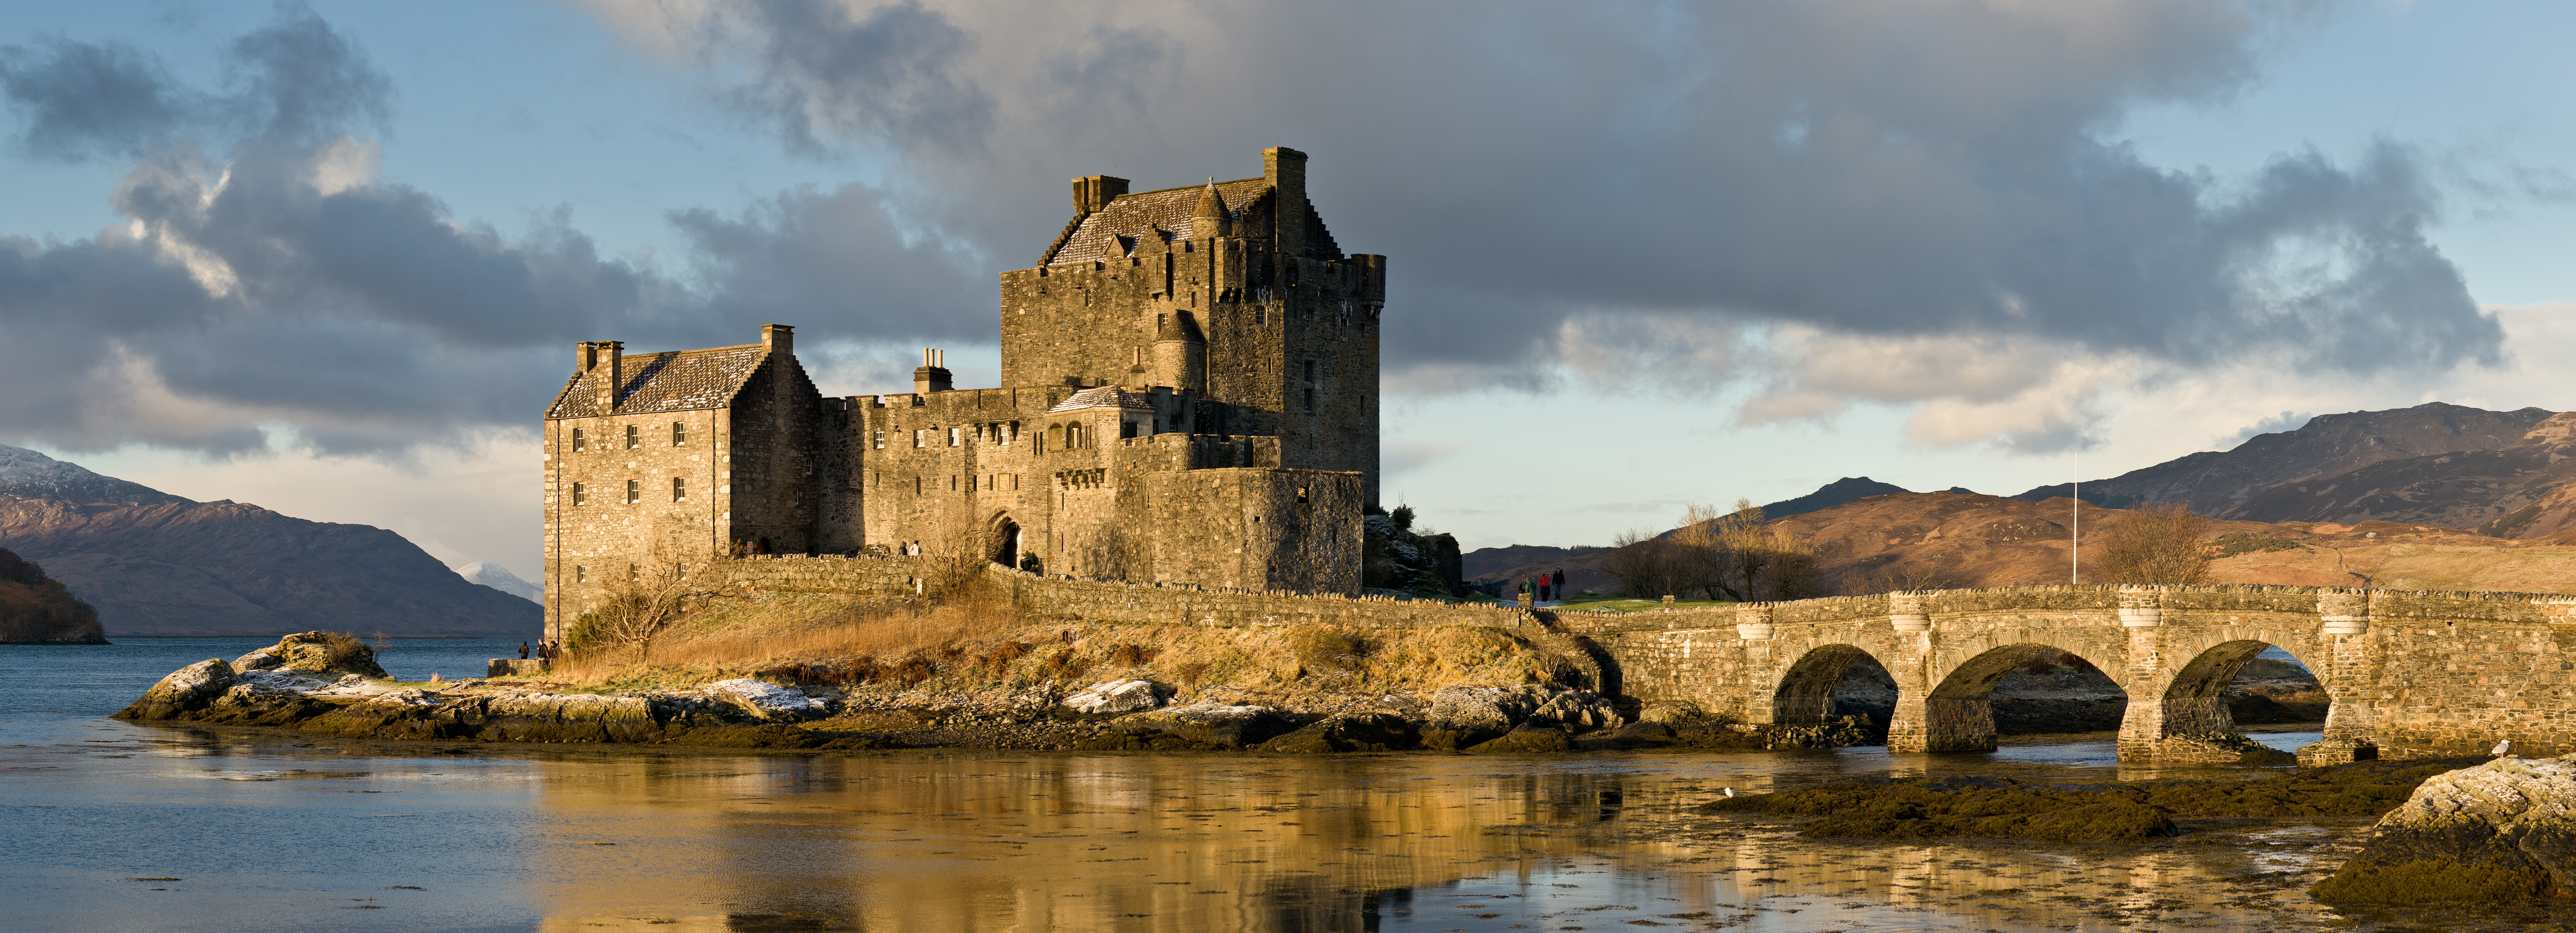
1180 351
1211 218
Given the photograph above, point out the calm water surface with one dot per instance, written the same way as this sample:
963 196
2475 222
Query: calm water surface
106 825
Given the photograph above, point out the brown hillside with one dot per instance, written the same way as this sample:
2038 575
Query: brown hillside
37 608
1971 540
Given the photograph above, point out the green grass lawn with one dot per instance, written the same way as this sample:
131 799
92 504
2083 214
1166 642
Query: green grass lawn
1615 604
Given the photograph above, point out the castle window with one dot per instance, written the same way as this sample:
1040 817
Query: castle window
577 497
679 489
1310 400
1261 316
1310 370
580 574
916 485
880 440
1126 428
952 482
1301 495
679 434
577 441
634 438
634 490
956 436
1014 435
635 573
916 437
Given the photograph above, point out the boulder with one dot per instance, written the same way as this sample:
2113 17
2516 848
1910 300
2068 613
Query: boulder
1577 709
766 701
256 659
1116 696
1463 715
329 653
188 688
1671 713
1205 726
1370 731
2504 830
1528 737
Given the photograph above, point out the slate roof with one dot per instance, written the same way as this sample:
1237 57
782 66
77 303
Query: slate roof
1112 230
1102 397
679 380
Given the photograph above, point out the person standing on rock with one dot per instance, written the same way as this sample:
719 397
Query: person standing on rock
523 651
1560 584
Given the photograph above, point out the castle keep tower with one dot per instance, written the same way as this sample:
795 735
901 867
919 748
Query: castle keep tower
1189 394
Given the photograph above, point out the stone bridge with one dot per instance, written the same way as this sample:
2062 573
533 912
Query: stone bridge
2411 674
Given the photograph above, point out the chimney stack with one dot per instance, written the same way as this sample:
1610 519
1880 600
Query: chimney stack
1093 192
607 372
778 339
1285 170
933 374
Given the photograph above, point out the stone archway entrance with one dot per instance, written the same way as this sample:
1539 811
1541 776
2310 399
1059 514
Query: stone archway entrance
1006 541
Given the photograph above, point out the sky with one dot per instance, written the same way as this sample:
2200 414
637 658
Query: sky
331 258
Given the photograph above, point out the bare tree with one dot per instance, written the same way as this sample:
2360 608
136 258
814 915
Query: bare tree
1643 564
2159 542
956 560
1897 577
658 593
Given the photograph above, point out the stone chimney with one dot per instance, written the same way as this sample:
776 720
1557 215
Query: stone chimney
1093 192
933 374
1285 170
603 360
778 339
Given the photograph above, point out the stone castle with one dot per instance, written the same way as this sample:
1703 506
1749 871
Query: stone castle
1189 394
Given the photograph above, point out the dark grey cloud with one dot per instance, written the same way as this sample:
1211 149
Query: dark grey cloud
280 283
1877 168
295 81
825 77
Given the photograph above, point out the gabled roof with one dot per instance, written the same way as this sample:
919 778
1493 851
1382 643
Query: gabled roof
680 380
1161 214
1103 397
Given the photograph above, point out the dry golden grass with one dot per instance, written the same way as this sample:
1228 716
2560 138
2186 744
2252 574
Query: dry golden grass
978 644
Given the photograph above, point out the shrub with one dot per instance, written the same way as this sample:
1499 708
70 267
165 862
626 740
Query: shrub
1324 649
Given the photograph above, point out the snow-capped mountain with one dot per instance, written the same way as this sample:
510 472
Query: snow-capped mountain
497 577
31 475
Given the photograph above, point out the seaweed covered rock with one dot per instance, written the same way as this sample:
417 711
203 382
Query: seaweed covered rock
185 690
1529 737
1844 732
1204 726
1370 731
335 654
2498 831
1924 808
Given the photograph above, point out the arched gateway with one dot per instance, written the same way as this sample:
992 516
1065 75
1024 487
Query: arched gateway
2410 674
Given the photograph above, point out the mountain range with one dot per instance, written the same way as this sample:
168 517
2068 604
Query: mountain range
152 563
2442 496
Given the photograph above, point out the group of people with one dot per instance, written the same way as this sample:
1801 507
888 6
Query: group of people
544 649
1546 587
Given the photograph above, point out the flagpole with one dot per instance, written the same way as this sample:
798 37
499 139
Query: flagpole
2075 525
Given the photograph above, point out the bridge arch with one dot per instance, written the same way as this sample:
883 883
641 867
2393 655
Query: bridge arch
1957 714
2190 719
1805 694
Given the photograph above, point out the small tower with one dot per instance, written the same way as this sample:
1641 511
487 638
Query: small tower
1180 351
1211 218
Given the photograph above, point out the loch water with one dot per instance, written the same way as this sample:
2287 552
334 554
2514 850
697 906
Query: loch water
111 825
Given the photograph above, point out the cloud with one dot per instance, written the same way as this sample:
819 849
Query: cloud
1558 186
281 293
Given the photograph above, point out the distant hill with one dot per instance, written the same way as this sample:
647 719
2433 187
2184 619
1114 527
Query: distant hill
1831 494
1948 540
157 564
2403 465
487 573
35 608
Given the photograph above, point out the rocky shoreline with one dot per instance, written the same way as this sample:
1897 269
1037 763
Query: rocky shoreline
314 684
